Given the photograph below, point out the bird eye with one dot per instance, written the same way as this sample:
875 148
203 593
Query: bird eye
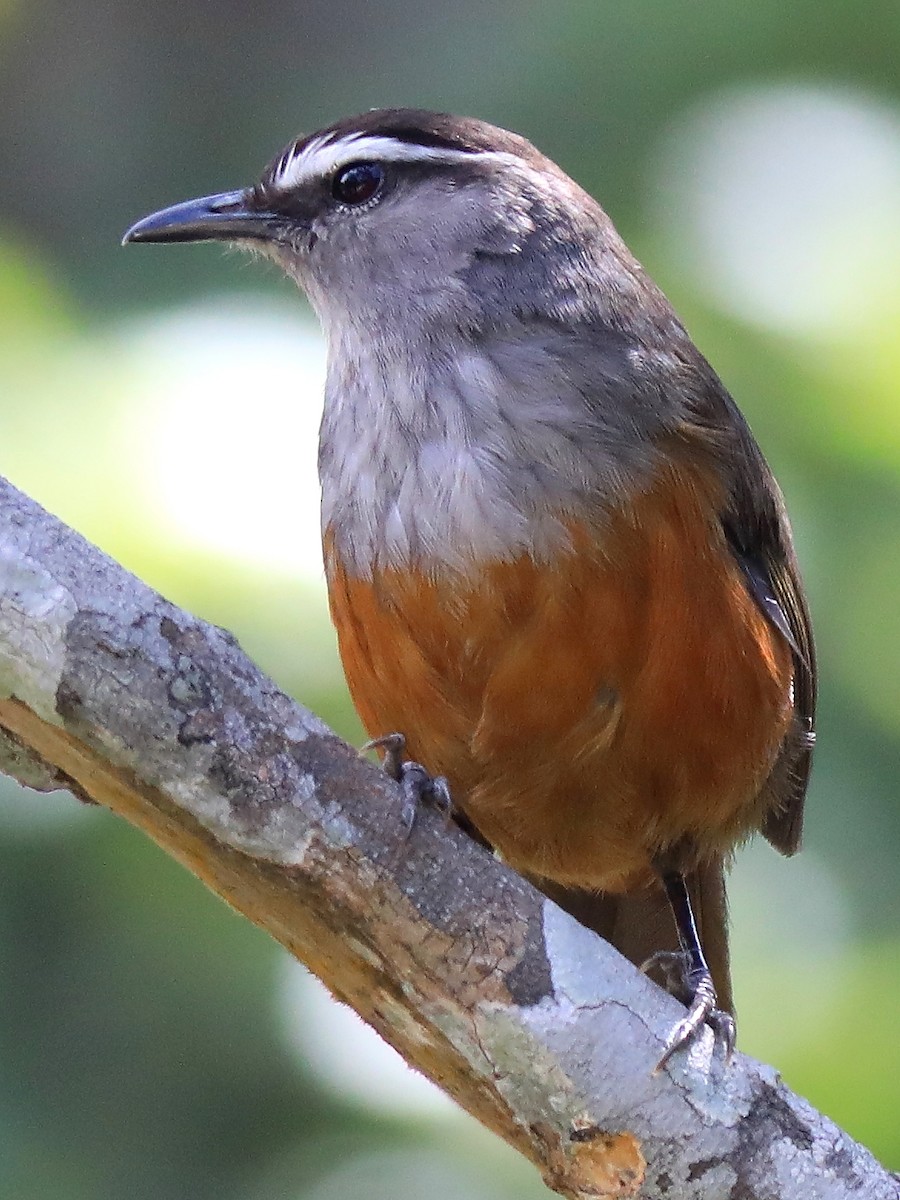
357 183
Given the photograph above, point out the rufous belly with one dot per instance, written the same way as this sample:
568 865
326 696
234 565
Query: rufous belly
591 713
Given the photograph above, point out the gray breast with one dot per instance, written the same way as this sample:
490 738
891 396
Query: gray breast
484 455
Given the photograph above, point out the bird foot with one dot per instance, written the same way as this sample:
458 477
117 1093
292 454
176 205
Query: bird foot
418 786
696 990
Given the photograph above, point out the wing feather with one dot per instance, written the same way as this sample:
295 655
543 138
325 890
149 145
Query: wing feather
758 532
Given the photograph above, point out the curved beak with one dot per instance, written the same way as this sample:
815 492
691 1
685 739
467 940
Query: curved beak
227 216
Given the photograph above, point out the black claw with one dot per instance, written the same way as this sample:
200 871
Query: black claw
415 783
701 1011
689 978
724 1031
393 745
673 966
418 787
441 799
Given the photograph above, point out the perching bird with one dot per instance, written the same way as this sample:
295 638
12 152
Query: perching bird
557 560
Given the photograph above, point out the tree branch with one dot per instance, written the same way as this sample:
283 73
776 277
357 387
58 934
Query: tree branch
532 1023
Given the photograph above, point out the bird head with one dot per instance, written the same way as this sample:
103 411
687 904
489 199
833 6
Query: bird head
400 215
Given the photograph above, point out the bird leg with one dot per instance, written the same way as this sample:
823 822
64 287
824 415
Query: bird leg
417 785
687 969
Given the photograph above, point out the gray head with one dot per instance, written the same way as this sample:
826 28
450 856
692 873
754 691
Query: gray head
494 352
403 215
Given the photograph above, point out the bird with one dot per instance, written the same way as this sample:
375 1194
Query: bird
560 570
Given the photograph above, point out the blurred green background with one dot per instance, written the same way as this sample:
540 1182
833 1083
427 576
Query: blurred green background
164 402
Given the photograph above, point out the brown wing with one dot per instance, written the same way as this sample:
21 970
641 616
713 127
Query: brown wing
757 529
783 825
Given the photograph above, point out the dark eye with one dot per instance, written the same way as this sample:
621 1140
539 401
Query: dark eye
357 183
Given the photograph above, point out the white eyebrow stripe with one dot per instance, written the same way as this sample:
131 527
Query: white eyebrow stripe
322 156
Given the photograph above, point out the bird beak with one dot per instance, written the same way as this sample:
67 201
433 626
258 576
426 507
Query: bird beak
228 216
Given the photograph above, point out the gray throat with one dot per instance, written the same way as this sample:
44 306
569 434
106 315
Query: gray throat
479 451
